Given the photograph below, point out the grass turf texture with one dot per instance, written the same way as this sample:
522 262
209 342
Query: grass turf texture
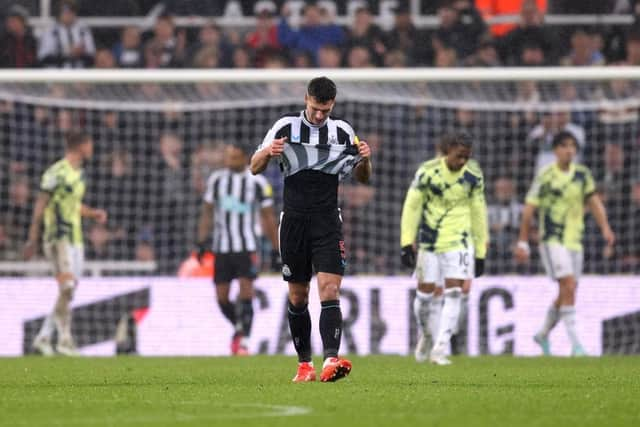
256 391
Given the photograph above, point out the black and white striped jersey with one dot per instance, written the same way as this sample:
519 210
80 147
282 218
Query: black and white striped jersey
236 198
313 162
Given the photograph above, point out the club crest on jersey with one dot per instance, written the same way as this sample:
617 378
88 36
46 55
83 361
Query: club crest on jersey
286 271
333 139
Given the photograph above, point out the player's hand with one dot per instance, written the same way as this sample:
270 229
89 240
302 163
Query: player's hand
364 150
29 250
100 215
202 251
276 261
479 267
408 256
277 146
522 252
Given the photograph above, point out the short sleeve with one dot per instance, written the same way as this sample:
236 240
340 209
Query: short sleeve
209 193
533 195
589 184
265 192
49 181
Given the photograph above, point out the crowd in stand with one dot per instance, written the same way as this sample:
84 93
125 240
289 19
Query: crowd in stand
462 38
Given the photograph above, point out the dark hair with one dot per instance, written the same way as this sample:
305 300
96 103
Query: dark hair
75 138
322 89
245 148
561 136
454 139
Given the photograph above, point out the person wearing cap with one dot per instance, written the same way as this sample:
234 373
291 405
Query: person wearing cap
17 44
68 44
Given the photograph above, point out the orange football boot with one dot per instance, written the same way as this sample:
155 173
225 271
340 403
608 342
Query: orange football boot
334 369
306 373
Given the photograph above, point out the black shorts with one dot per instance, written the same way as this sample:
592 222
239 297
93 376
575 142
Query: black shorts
235 265
311 242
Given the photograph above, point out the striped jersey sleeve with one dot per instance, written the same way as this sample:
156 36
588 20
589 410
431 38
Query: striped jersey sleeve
264 192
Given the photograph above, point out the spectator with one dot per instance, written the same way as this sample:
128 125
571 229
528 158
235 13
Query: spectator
359 57
105 59
541 136
460 27
445 56
395 58
532 55
241 58
491 8
168 47
504 220
17 44
530 29
583 51
128 52
404 36
207 57
363 32
105 243
329 56
211 36
632 54
67 44
263 40
485 56
313 33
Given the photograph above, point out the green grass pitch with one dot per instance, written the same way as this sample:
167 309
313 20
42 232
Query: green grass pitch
381 391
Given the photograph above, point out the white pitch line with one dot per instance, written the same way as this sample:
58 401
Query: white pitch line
265 410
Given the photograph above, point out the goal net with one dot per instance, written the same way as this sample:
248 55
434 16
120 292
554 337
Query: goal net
158 135
157 141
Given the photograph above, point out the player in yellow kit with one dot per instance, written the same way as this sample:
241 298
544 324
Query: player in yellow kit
560 192
59 204
446 202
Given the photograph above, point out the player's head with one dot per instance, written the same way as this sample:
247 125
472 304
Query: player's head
456 148
80 143
236 157
319 99
565 147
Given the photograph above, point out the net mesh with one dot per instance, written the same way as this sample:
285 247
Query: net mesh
156 144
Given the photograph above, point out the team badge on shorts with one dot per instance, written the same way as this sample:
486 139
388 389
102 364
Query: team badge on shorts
286 270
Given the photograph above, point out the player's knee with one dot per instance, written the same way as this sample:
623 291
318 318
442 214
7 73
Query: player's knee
298 299
67 289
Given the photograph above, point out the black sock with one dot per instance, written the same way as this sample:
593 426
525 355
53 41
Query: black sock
245 315
300 327
331 327
229 311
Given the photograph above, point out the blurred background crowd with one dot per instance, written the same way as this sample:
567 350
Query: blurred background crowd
150 167
271 34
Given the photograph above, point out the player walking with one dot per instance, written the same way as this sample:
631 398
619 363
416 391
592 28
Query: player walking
447 196
59 203
559 192
236 195
314 151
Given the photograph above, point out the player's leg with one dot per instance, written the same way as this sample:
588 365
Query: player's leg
70 271
459 337
329 260
43 341
457 267
223 274
568 287
300 328
427 273
551 260
296 270
247 268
